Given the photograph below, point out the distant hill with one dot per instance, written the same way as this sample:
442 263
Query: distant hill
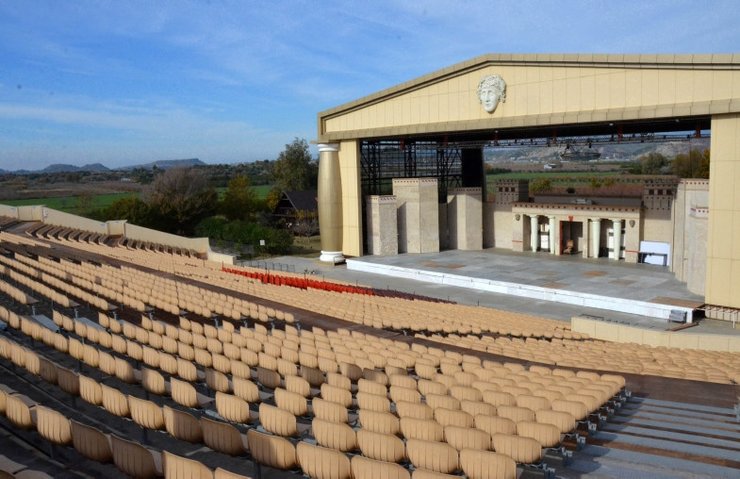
64 168
166 164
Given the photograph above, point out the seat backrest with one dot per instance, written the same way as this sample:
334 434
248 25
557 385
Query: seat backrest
329 411
466 438
146 414
53 426
365 468
494 424
414 410
372 387
479 464
268 378
177 467
272 451
515 413
125 371
298 385
90 442
314 376
402 380
222 437
68 381
425 429
498 398
339 380
383 422
115 402
434 456
336 394
334 435
277 421
153 381
399 393
565 422
575 408
373 402
20 410
546 434
294 403
323 463
134 459
232 408
217 381
477 407
383 447
184 393
523 450
442 400
182 425
224 474
452 417
465 393
90 390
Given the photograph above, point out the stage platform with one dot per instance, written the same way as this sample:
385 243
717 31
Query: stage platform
636 289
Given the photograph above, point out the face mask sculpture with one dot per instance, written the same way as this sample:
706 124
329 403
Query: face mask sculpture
491 89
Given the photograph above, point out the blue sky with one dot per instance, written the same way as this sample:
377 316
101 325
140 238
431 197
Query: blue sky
123 82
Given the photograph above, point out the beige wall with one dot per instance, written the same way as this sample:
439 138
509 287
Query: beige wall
657 226
145 234
690 219
349 172
543 90
723 241
9 211
621 333
59 218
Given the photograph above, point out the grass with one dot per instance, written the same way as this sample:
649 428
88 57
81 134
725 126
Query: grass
260 191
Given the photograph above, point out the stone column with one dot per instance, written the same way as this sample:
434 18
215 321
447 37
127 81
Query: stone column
595 237
534 234
617 239
586 242
330 204
553 247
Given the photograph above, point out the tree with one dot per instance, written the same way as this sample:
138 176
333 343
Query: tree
693 165
239 200
653 163
294 169
131 209
180 198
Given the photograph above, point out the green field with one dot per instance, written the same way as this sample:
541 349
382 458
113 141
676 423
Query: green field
72 204
260 191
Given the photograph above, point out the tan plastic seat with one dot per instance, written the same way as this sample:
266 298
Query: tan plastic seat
424 429
298 385
487 465
365 468
523 450
277 421
21 410
268 378
382 447
154 382
339 380
564 421
184 393
515 413
218 381
477 407
134 459
177 467
68 381
223 437
466 438
451 417
91 442
91 391
372 387
246 389
272 451
399 393
336 394
495 425
182 425
414 410
334 435
233 408
146 414
314 376
294 403
323 463
224 474
373 402
53 426
329 411
546 434
575 408
375 421
499 398
115 402
434 456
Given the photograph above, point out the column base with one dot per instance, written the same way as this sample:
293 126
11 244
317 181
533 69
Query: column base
335 257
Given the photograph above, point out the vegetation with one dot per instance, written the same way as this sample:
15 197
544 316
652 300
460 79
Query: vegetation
695 164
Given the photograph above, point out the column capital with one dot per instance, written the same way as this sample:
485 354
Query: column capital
595 220
330 147
619 220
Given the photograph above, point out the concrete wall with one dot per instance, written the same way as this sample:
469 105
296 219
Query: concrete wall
220 258
9 211
621 333
488 224
723 239
349 172
503 227
690 220
418 215
465 218
140 233
59 218
657 226
444 226
382 225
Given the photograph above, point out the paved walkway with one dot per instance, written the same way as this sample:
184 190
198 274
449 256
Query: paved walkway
597 276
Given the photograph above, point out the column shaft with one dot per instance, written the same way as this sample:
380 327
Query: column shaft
330 204
534 234
617 250
595 237
553 246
